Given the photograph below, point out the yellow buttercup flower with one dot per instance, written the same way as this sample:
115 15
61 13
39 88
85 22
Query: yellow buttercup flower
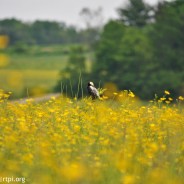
167 92
3 41
83 141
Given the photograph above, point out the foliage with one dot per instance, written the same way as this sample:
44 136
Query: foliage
168 46
42 32
75 74
142 51
124 56
102 142
106 49
136 13
16 30
169 43
141 55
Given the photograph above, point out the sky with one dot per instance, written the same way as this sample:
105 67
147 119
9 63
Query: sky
59 10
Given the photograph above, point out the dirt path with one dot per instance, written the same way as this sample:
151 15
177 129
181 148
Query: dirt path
37 99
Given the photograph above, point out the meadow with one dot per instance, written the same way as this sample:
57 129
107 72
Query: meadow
36 72
35 69
73 141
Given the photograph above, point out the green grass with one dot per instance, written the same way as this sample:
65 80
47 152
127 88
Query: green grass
18 81
36 69
24 62
32 72
35 73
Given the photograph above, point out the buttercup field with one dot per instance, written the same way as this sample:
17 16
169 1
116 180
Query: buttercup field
83 141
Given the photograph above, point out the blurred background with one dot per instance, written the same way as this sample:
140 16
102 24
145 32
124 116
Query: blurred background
121 45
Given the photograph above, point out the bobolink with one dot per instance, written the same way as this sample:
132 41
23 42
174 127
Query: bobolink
93 92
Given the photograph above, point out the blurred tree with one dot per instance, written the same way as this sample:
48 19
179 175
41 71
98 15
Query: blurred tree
147 60
168 43
93 20
106 49
123 56
74 76
43 32
136 13
168 37
76 61
72 35
15 30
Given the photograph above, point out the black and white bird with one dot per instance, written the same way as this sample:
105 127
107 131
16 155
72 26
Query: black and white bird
93 92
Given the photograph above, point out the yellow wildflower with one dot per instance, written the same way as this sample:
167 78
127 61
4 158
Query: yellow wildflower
167 92
181 98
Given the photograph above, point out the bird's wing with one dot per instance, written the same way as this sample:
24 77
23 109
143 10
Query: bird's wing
94 91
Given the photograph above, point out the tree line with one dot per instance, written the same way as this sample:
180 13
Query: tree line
143 50
44 32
